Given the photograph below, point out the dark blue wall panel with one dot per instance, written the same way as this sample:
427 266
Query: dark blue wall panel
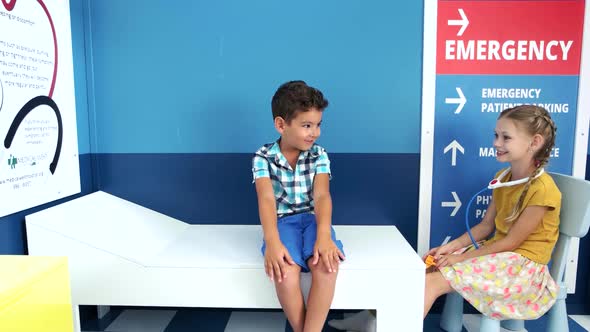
380 189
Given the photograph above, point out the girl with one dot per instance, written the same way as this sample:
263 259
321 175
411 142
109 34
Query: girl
507 276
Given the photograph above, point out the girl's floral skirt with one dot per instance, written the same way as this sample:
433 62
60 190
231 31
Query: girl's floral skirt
504 285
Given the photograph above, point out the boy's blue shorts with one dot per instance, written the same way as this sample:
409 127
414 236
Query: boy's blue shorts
298 233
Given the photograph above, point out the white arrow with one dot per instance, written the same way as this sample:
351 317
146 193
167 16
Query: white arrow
463 22
461 101
454 146
456 204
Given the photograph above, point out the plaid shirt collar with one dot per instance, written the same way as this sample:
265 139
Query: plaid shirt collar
274 153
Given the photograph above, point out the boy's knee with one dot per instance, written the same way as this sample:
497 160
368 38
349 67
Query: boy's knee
320 272
291 277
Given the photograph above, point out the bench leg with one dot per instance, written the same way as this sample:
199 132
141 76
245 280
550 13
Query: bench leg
76 318
452 316
393 319
102 310
385 323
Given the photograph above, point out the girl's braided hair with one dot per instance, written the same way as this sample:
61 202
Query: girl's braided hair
535 120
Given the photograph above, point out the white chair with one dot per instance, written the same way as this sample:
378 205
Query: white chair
574 222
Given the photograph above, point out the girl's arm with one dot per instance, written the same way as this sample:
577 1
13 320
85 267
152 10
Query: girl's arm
526 224
480 231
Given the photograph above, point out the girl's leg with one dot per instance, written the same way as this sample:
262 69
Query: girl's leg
291 298
436 285
321 293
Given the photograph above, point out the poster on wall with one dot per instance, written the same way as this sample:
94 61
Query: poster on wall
488 56
39 146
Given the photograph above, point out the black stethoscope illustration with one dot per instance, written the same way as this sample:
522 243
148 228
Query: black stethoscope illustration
24 111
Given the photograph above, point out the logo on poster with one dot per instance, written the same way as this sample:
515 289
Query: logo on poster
12 161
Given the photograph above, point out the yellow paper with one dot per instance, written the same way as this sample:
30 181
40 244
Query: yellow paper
35 294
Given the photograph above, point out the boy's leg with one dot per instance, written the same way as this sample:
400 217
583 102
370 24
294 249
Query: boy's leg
436 285
289 289
291 298
323 283
321 293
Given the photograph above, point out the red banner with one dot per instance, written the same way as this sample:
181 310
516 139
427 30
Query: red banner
509 37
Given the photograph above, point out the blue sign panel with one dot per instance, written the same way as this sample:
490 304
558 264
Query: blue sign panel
466 110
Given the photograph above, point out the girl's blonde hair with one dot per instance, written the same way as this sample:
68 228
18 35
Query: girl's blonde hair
535 120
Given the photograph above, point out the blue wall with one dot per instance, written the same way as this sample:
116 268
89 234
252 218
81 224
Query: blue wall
182 100
198 78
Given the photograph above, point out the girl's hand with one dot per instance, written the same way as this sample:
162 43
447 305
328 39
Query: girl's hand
430 252
276 258
446 249
448 260
327 250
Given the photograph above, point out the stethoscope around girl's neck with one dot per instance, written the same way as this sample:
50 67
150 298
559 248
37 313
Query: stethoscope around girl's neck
494 184
497 182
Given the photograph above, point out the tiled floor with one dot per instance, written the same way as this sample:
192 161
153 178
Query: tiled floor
217 320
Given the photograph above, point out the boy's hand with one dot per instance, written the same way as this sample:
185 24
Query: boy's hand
276 259
327 250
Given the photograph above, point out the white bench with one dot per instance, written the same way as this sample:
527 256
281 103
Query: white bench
121 253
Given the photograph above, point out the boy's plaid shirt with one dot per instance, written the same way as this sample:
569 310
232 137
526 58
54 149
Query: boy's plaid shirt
293 189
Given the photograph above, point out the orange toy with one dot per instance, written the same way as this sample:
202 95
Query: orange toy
429 261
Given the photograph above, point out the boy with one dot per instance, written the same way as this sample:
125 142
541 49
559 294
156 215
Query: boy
292 183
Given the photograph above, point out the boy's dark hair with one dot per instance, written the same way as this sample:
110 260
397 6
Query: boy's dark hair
296 96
